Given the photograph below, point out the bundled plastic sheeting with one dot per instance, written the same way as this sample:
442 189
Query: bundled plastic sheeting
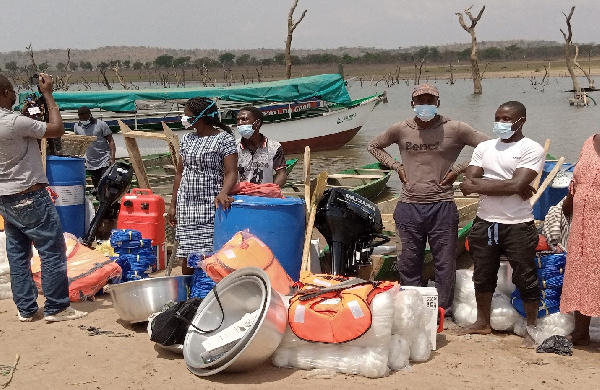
120 235
464 289
410 312
464 314
549 272
503 315
556 282
557 260
5 290
560 324
201 283
399 356
420 347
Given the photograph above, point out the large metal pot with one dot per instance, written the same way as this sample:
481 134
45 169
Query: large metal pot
134 301
245 291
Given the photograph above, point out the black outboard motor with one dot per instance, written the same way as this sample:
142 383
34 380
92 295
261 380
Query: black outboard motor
350 223
112 186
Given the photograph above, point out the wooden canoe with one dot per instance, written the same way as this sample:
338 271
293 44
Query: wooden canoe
368 181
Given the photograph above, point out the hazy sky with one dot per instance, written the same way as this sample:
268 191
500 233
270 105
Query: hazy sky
247 24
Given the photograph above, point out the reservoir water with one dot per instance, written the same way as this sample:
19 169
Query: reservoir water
549 115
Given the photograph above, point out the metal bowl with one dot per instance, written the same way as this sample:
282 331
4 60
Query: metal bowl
134 301
244 291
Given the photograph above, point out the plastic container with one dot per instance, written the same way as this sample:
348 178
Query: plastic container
144 211
66 176
279 223
551 196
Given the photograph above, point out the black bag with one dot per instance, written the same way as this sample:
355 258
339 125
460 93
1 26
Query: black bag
170 326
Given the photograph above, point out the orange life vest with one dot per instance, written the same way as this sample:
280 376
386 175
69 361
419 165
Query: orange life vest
246 250
334 316
88 270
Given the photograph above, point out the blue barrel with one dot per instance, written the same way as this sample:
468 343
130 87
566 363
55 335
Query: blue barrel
279 223
66 176
551 196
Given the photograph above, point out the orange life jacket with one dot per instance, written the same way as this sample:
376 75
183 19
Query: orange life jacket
334 316
246 250
88 270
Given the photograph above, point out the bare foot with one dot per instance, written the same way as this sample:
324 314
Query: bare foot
476 328
528 342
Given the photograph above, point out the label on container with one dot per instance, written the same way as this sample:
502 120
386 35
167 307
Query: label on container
68 195
231 334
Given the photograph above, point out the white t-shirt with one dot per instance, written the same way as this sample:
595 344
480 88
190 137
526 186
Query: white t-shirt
499 161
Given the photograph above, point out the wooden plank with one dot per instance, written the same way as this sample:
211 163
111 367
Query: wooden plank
135 157
142 134
536 181
316 197
306 164
173 141
547 181
350 176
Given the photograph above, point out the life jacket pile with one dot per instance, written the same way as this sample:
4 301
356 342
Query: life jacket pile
320 312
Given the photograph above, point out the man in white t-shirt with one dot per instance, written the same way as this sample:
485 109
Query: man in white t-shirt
501 172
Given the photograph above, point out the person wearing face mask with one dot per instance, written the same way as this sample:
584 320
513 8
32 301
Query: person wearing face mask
260 160
101 153
28 211
429 144
501 172
205 175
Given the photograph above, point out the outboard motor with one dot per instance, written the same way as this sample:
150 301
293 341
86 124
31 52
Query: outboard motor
112 186
350 223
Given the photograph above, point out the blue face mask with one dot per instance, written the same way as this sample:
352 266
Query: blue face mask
503 130
425 112
245 131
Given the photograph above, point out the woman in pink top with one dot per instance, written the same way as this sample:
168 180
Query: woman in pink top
581 286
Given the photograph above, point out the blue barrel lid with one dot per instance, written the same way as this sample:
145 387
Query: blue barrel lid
248 200
63 158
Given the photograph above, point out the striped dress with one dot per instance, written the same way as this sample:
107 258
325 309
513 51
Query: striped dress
581 286
201 181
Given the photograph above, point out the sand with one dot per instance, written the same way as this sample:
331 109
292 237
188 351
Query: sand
65 355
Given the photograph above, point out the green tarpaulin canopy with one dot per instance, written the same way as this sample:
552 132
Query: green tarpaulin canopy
329 87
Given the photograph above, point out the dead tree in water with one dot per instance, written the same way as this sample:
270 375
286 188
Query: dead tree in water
586 73
288 42
475 74
568 44
579 96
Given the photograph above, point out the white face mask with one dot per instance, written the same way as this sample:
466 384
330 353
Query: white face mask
85 123
185 121
245 131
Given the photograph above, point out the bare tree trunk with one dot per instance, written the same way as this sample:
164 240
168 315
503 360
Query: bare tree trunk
105 80
568 43
475 74
586 73
288 42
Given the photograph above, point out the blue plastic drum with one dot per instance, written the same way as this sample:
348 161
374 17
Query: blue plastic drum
279 223
67 178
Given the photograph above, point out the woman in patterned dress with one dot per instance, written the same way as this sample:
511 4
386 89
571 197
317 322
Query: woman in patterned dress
206 172
581 286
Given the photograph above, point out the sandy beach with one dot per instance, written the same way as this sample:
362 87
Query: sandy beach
101 351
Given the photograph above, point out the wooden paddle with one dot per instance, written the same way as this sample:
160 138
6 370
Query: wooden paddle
547 181
306 164
316 198
536 182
